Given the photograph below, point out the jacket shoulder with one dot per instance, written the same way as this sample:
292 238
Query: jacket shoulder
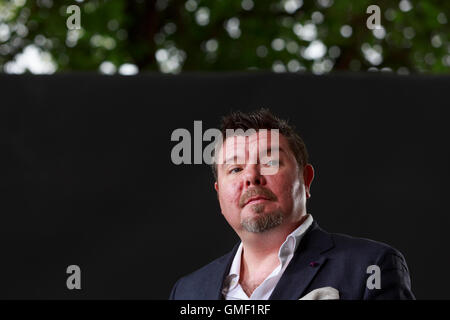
203 283
368 251
352 260
206 271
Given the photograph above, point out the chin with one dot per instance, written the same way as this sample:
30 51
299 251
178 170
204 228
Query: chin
262 222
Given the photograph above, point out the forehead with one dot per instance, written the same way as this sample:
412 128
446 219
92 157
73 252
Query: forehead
262 140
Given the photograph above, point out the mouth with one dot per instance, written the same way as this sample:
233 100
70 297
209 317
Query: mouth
256 195
255 200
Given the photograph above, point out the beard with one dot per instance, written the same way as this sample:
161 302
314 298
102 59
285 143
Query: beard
263 221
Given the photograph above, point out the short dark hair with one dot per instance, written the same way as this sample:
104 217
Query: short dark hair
264 119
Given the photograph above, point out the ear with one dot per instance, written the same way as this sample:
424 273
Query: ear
216 187
308 176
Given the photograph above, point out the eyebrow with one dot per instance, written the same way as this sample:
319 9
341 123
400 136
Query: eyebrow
234 158
280 149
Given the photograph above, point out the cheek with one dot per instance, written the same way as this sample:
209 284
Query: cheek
229 195
288 188
298 191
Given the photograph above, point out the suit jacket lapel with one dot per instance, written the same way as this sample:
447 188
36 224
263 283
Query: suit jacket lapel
305 264
213 290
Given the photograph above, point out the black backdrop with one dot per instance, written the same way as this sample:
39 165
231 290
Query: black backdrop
86 175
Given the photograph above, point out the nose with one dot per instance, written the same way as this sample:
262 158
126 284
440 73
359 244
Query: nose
253 176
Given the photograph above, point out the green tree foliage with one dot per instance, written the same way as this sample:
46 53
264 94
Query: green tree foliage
216 35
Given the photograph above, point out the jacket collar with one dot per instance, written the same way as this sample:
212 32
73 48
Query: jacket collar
221 270
307 261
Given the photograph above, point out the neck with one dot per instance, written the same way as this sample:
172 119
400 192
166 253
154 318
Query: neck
261 248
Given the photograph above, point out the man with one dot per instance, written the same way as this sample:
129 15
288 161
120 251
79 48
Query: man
283 253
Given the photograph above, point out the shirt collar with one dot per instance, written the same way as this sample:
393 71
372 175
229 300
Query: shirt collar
235 269
292 241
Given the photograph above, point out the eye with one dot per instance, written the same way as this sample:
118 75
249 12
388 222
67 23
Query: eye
235 170
272 163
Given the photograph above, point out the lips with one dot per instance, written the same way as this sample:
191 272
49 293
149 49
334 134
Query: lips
256 193
254 199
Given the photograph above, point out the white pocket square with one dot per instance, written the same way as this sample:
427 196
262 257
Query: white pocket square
325 293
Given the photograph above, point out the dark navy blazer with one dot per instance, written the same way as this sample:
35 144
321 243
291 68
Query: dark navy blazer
321 260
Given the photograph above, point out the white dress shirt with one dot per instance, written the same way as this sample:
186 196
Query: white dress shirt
232 289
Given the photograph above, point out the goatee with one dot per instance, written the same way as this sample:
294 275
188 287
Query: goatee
263 221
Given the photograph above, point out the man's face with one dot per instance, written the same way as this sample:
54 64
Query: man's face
255 202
